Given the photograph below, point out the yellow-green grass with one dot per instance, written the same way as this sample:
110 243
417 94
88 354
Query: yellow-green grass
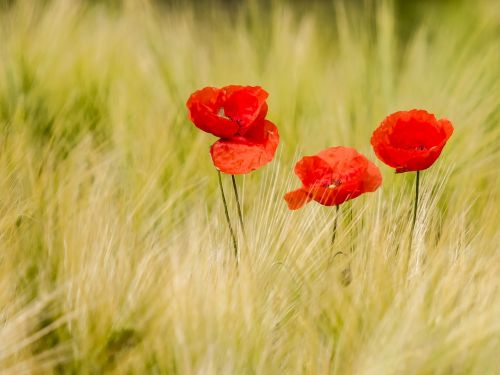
114 252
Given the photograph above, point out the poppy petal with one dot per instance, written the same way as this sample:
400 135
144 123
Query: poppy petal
416 160
204 106
447 127
313 171
244 104
372 178
334 155
241 155
347 166
297 198
334 197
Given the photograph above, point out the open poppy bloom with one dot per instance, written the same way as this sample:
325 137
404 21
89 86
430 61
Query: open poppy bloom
333 176
410 140
236 114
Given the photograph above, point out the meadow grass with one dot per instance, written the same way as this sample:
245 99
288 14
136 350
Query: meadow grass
114 252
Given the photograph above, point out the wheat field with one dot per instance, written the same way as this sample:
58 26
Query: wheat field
115 256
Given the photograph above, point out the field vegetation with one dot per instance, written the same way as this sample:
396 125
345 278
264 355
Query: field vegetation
114 252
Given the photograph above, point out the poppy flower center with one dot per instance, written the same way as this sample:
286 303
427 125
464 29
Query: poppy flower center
222 113
334 184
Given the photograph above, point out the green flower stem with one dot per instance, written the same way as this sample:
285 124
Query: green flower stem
415 208
233 237
240 215
334 232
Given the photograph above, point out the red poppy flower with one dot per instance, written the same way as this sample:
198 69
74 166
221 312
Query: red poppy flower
228 111
236 114
333 176
411 140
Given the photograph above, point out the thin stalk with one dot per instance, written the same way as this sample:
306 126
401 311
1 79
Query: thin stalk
415 208
233 237
334 232
351 223
240 215
414 221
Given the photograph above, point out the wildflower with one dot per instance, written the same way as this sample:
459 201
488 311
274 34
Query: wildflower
410 140
236 114
333 176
